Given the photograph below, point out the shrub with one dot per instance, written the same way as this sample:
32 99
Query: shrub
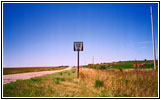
62 79
36 79
102 66
56 80
61 73
99 83
73 71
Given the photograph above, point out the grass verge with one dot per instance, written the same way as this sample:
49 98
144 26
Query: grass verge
92 83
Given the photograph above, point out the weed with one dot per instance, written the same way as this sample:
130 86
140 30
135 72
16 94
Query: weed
56 81
68 73
73 71
103 94
72 94
39 87
36 79
62 79
61 73
99 83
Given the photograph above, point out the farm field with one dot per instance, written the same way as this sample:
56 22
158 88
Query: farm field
92 83
123 65
30 69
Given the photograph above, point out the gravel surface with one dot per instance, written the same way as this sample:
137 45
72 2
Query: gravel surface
23 76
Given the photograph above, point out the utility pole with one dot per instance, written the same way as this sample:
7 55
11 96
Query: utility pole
93 60
153 39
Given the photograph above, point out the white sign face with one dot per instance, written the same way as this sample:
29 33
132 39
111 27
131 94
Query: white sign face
78 46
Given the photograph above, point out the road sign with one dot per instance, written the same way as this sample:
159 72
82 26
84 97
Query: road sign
78 46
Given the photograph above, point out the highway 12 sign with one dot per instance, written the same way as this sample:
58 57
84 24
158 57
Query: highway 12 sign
78 46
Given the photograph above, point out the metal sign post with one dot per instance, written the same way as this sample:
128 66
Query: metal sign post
78 66
78 46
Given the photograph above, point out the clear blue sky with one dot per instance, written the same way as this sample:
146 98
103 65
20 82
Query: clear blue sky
42 34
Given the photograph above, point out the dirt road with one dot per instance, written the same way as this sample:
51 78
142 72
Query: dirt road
23 76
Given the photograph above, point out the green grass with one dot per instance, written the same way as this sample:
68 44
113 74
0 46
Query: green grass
58 79
39 86
122 64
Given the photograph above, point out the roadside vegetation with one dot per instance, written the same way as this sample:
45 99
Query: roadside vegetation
30 69
92 83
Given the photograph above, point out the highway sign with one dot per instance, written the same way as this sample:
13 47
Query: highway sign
78 46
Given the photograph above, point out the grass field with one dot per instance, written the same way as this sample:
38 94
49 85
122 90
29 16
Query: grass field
121 64
30 69
92 83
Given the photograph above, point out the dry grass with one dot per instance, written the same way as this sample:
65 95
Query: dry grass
132 83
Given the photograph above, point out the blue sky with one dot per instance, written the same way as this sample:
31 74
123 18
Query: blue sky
42 34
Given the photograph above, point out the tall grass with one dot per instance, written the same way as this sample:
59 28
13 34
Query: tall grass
130 83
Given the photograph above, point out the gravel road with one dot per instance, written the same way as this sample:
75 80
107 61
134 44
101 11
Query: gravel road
23 76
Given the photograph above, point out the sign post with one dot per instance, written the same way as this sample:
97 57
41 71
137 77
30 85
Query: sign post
78 46
78 66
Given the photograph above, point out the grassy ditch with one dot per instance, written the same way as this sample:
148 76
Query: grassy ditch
92 83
